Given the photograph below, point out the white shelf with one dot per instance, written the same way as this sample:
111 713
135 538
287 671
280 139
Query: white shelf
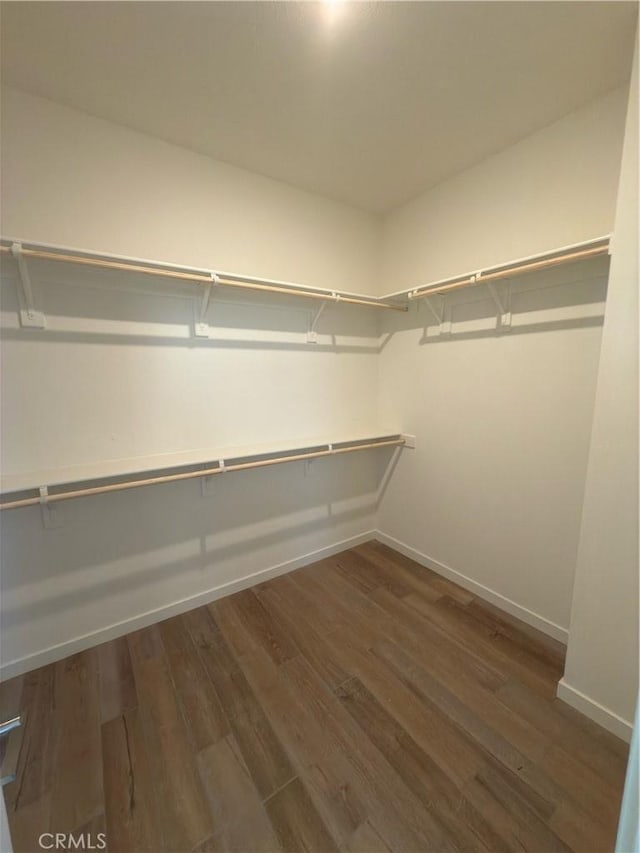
130 466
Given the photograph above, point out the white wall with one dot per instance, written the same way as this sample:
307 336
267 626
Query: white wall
72 179
118 373
601 676
492 494
554 188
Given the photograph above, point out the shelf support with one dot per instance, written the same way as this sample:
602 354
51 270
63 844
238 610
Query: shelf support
51 517
312 335
28 314
201 327
502 302
444 326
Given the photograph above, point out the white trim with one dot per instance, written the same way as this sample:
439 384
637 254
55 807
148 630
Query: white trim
143 620
600 714
529 616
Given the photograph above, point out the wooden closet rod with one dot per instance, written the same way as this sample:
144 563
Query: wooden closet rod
191 475
201 278
531 266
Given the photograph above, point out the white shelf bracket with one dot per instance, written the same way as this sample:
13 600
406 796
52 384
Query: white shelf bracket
51 517
201 327
28 314
503 306
439 313
312 335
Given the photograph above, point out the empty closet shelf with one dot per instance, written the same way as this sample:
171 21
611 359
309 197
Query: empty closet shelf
84 481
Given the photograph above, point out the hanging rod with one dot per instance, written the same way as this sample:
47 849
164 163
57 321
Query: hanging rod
507 272
203 277
221 468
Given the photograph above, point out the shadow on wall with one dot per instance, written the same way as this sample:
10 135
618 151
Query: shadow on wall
100 306
566 297
134 541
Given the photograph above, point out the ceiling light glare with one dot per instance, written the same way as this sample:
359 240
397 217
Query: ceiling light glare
333 10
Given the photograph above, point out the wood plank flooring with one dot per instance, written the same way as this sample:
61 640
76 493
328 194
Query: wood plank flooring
362 703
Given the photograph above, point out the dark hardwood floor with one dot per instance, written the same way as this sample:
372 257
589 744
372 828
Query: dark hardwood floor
363 703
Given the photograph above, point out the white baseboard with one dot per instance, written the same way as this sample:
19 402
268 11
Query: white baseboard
86 641
605 717
534 619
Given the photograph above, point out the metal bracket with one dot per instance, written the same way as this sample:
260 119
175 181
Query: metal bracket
28 314
51 516
312 335
439 316
503 305
201 327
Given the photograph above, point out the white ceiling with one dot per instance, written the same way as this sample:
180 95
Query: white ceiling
368 103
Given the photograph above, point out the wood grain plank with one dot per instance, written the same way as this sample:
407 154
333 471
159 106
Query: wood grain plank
504 636
458 756
371 703
77 795
11 697
324 769
414 579
302 595
591 729
131 808
541 646
596 753
184 817
29 822
393 618
310 643
520 835
333 593
369 575
452 619
410 627
366 839
201 707
405 817
458 819
278 644
377 551
36 761
90 836
263 753
241 820
469 722
588 789
462 673
117 687
457 681
581 832
531 811
296 821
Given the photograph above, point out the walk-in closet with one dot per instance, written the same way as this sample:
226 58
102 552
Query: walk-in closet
319 426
